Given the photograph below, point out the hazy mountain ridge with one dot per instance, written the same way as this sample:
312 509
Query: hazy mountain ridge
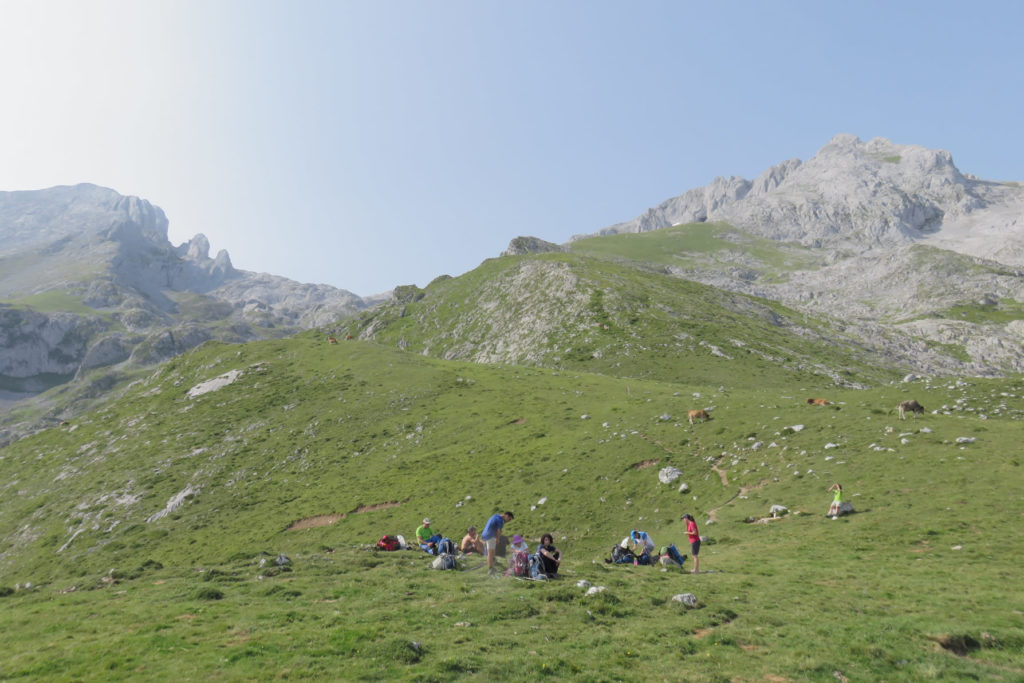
88 279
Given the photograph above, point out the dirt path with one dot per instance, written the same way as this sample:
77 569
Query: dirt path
744 490
327 520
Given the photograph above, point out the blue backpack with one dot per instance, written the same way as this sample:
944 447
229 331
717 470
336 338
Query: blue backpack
446 547
673 552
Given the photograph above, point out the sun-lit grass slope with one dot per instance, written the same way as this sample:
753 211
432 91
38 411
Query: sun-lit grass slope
149 529
577 312
704 246
308 428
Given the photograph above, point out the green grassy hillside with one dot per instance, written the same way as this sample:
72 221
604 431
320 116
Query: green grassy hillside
703 246
149 530
575 312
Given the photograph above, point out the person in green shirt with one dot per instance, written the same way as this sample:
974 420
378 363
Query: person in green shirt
833 509
426 536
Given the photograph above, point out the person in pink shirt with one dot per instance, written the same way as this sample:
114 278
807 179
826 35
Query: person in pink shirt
693 535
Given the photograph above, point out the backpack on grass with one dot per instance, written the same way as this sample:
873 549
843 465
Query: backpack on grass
622 555
389 543
673 552
445 547
444 562
520 564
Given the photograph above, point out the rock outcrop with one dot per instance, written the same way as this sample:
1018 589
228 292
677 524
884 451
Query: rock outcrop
850 194
90 281
894 239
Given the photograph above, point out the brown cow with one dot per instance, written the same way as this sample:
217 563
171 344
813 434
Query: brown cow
332 340
699 415
911 406
818 402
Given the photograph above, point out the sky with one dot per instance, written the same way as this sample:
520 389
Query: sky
367 144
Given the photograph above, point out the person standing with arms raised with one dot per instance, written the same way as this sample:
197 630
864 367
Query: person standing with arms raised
492 531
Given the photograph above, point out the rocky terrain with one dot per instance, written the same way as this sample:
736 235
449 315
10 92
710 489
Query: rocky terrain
89 281
900 238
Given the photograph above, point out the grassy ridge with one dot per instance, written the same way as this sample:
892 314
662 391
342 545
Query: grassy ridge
582 313
380 438
691 245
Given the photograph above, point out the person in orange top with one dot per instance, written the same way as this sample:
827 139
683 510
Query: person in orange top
693 535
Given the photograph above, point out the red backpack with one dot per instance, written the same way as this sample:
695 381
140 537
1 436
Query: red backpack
388 543
520 564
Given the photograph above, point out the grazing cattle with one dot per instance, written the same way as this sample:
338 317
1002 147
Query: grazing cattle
909 406
699 415
818 402
332 340
348 336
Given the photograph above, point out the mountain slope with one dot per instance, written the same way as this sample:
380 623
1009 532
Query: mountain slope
887 240
573 312
151 528
89 283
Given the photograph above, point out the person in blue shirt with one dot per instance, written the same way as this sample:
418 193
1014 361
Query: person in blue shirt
641 542
490 535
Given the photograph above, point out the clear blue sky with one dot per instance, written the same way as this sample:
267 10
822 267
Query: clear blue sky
383 142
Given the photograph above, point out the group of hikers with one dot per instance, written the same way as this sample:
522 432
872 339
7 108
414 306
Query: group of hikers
637 548
492 543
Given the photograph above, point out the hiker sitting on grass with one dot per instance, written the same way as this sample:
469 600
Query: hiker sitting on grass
519 545
426 537
471 542
550 557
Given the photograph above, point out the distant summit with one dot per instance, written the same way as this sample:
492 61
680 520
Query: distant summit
860 195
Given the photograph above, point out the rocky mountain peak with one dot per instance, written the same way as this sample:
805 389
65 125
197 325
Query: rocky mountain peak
851 193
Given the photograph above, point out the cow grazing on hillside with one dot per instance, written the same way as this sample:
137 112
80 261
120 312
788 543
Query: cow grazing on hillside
911 406
818 402
698 415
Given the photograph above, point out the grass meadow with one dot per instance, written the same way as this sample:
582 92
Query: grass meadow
149 530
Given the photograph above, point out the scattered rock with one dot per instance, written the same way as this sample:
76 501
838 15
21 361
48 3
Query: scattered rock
688 599
214 384
667 475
